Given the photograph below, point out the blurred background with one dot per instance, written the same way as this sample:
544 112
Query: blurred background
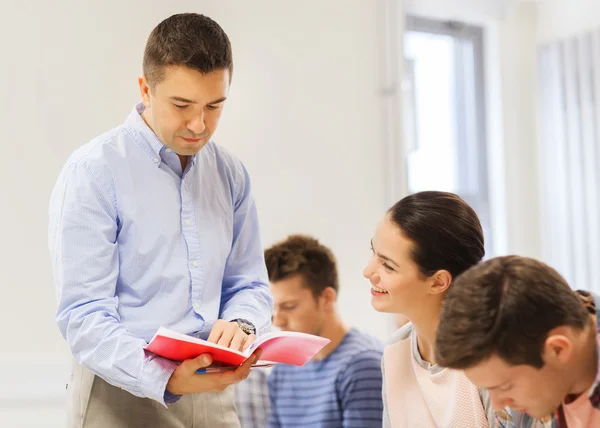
338 108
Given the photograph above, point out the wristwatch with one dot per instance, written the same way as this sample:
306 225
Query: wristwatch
245 325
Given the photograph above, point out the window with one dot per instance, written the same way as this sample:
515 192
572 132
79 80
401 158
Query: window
444 112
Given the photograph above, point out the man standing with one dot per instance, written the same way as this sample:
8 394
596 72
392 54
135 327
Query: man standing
341 385
152 224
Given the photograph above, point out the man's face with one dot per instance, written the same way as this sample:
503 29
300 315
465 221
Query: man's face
296 309
524 388
184 108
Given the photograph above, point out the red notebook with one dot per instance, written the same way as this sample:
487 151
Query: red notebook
285 347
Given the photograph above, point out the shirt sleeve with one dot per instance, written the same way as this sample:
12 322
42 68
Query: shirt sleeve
82 234
245 282
361 391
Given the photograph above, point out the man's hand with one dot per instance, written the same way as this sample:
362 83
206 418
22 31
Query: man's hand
184 379
230 335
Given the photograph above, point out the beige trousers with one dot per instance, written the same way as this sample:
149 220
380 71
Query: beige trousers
94 403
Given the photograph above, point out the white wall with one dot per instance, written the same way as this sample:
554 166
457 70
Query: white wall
458 10
559 19
518 71
304 114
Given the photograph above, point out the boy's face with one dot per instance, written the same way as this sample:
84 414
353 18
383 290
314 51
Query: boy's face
184 108
524 388
296 309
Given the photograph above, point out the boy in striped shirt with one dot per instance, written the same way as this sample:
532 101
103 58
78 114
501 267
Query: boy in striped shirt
341 385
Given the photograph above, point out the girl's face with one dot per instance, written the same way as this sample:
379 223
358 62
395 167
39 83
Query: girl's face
397 284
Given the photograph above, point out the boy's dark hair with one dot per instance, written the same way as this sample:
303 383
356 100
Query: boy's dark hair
505 306
445 230
187 39
303 255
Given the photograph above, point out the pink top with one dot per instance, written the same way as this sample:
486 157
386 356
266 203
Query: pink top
419 395
581 414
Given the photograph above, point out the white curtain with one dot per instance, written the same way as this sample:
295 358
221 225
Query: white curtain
569 149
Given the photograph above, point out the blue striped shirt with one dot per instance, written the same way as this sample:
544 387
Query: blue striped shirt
342 390
137 243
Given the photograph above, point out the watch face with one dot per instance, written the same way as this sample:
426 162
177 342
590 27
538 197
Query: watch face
246 326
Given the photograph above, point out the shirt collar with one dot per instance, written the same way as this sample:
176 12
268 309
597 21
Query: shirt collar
146 138
143 135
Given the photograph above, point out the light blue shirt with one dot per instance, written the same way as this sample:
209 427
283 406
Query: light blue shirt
343 390
136 244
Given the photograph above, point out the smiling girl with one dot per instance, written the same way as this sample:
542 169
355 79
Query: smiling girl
422 243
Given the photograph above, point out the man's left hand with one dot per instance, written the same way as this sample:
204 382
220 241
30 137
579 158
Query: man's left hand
230 335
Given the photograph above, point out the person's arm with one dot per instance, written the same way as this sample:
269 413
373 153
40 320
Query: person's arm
361 391
245 282
386 415
504 419
83 229
273 421
487 407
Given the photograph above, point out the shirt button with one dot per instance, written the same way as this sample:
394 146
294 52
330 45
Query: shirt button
168 150
156 160
196 306
188 223
195 263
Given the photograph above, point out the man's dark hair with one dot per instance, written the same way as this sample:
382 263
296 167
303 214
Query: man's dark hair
445 230
303 255
505 306
186 39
